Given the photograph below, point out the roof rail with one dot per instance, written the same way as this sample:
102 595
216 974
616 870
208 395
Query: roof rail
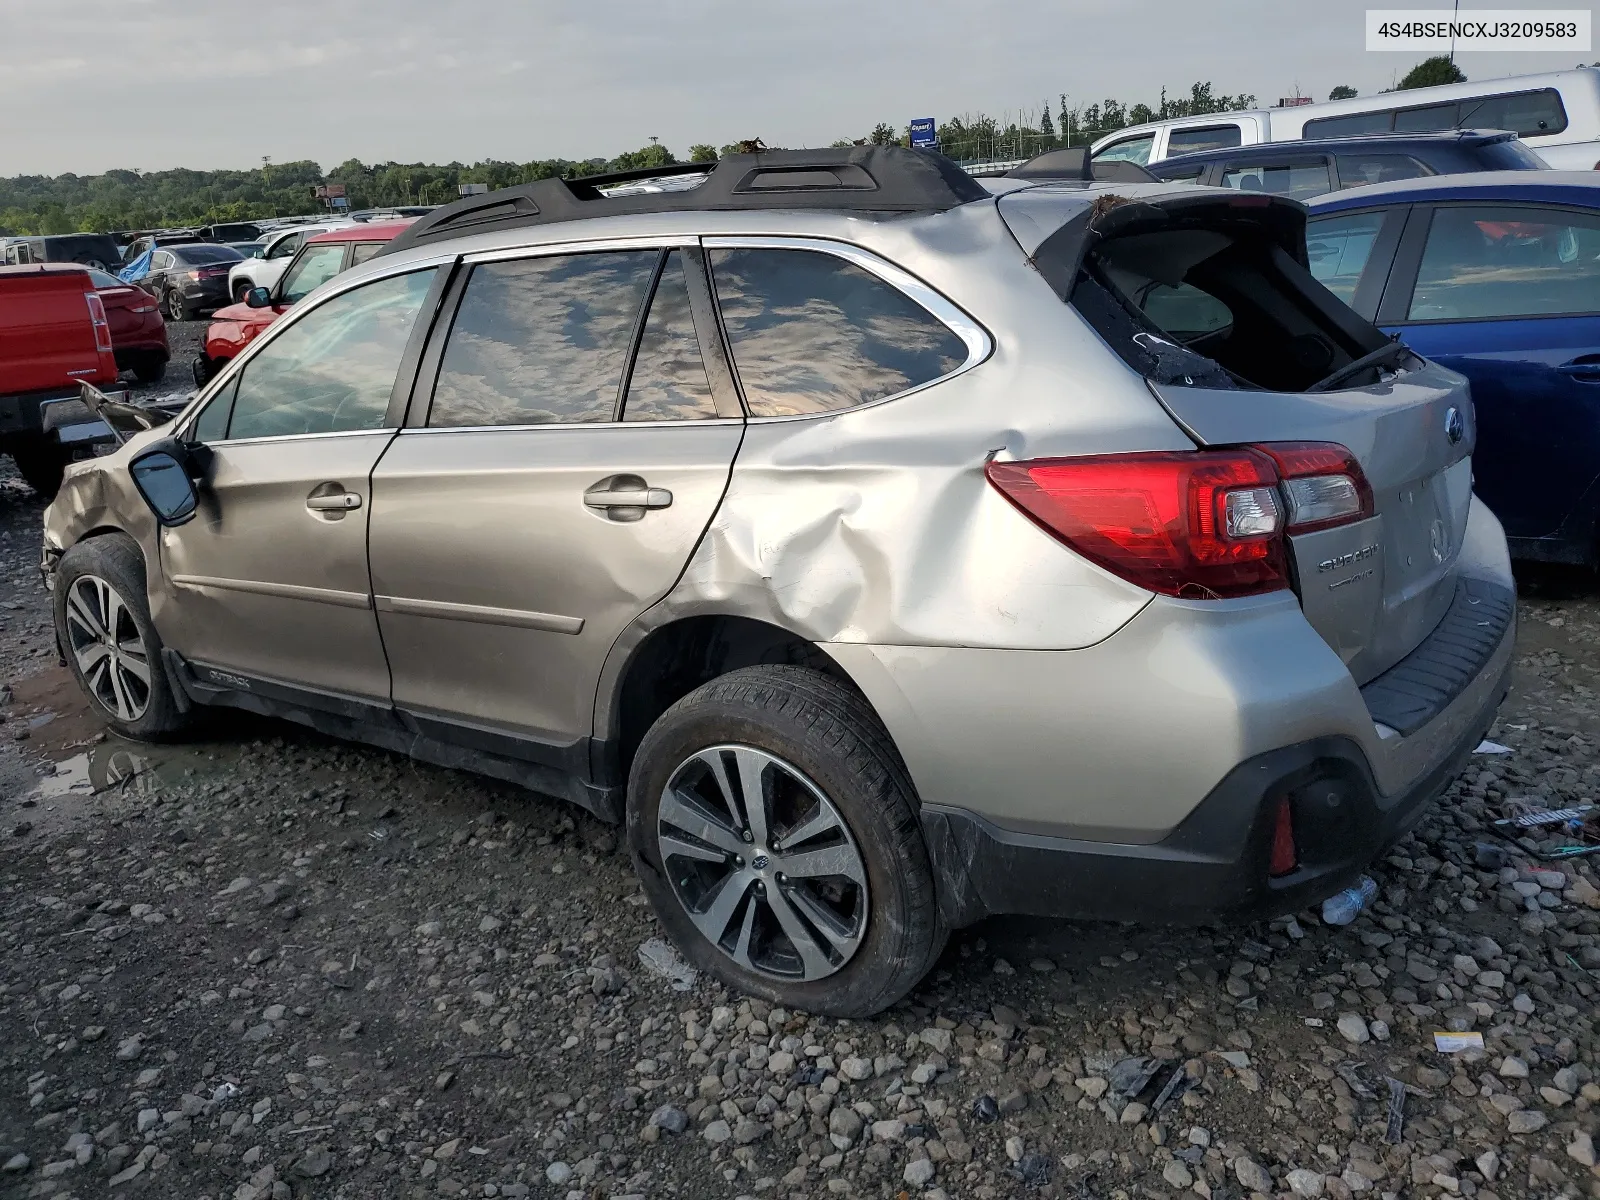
1075 163
882 179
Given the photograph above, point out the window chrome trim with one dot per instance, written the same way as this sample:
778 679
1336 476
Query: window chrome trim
648 241
389 430
973 335
315 300
686 423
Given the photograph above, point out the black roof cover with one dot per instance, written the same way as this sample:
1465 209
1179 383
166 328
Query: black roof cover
882 179
1075 163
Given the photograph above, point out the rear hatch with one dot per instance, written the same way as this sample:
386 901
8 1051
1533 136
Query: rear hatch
1209 298
47 332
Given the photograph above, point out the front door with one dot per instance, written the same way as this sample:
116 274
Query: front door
573 454
1509 295
270 578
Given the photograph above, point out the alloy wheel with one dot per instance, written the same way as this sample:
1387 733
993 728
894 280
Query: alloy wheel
763 863
105 643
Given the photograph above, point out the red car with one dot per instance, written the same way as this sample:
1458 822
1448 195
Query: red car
319 260
138 333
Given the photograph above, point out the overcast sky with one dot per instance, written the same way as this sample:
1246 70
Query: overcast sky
152 84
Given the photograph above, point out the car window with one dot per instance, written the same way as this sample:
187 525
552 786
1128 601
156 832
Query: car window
1186 174
1421 120
1507 261
1349 126
208 254
1527 114
1338 249
542 340
160 261
1184 310
364 251
1204 137
334 369
1359 168
287 246
811 332
1298 179
101 280
312 269
669 380
1510 155
212 423
1135 150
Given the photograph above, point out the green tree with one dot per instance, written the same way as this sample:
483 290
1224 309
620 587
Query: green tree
700 152
1431 72
1343 92
1046 126
883 135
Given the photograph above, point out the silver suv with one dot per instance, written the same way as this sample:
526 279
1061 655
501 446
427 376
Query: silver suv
884 552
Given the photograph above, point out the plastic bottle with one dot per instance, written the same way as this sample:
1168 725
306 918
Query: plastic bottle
1347 905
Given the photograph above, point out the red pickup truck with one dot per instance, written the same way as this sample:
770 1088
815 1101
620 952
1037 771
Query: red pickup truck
54 336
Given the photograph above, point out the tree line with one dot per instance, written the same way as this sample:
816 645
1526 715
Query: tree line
127 200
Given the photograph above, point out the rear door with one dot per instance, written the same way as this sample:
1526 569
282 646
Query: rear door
567 447
1509 295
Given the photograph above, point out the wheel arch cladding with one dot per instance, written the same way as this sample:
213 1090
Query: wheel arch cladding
674 659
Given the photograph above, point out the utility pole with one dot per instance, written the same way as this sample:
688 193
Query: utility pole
1453 34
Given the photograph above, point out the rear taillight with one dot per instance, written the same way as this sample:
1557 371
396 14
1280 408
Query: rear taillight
1323 484
192 276
1284 858
102 327
1199 524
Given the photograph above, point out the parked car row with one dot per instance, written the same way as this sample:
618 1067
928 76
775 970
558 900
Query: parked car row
843 529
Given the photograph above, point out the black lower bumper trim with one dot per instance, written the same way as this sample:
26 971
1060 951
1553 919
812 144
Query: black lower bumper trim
1215 863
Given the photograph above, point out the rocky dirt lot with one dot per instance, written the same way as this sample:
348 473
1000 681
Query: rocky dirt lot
262 964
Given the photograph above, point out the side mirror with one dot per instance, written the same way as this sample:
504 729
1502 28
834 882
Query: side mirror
162 476
258 297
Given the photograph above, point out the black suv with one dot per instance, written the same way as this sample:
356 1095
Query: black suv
1314 167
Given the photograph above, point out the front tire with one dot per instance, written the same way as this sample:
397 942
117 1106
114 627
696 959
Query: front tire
820 897
177 310
241 289
103 623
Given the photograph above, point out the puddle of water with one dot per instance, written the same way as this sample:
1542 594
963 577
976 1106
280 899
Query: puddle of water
112 766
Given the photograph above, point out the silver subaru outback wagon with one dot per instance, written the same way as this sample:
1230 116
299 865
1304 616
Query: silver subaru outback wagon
884 552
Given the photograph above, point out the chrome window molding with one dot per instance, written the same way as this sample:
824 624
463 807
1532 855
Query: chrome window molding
696 423
300 437
653 241
976 338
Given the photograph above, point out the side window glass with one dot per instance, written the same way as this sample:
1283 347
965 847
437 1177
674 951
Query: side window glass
1527 114
1420 120
1300 180
1206 137
312 269
364 251
1504 261
212 425
1189 174
286 246
1135 150
1338 248
1369 122
669 381
1184 311
542 340
1358 170
812 332
333 369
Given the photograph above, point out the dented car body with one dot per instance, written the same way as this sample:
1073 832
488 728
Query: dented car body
901 464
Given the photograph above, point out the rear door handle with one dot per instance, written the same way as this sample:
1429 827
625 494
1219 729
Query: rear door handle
625 497
338 502
1584 370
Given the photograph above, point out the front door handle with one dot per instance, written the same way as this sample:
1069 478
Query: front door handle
626 497
336 502
1584 370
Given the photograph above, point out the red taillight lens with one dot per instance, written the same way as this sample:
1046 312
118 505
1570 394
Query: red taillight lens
102 327
1322 483
1202 525
1284 857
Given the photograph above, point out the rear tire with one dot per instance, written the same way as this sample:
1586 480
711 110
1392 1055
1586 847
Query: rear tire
150 368
205 370
241 289
41 463
805 940
102 616
176 309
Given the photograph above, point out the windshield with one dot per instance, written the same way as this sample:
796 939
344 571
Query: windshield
1511 155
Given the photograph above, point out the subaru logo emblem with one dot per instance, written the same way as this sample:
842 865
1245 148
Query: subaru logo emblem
760 862
1455 425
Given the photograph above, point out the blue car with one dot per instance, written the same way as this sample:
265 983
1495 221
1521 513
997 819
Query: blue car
1497 276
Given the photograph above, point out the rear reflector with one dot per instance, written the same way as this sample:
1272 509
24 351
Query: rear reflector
1205 524
1284 857
102 327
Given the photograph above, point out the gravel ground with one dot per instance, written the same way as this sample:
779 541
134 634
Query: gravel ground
262 964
